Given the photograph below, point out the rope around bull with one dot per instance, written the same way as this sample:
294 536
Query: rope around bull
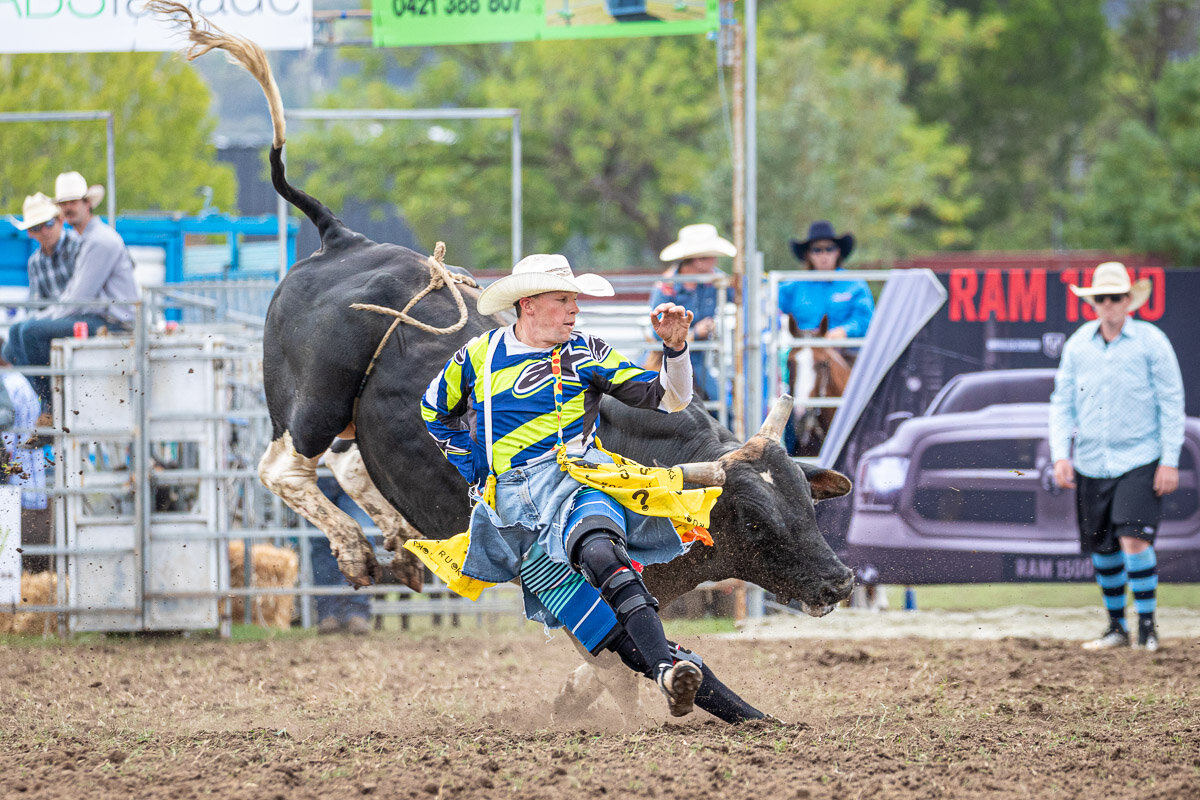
439 276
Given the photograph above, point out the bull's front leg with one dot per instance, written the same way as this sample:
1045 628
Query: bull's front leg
293 478
345 460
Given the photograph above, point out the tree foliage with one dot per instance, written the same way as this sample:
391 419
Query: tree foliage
613 139
625 141
1014 82
162 129
837 143
1143 192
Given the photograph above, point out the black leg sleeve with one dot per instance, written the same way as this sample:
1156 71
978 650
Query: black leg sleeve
719 700
714 697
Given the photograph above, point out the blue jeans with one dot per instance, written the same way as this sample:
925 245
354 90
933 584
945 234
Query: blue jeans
325 566
28 344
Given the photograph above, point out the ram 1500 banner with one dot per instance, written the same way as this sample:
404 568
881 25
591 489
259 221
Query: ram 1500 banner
949 454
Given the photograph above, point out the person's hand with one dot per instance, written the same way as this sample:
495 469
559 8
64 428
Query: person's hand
835 333
1064 474
671 323
1166 480
704 328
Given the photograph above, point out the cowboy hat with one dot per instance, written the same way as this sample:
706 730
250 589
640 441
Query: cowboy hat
822 229
72 186
697 241
36 209
537 274
1111 277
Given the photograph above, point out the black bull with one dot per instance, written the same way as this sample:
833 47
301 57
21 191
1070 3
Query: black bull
317 349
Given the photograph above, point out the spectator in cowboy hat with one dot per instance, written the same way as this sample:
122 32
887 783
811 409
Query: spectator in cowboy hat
847 304
53 263
1119 394
103 271
695 252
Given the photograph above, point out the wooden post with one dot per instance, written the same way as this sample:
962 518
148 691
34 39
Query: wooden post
739 233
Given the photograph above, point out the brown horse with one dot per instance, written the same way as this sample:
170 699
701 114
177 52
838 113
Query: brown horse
814 372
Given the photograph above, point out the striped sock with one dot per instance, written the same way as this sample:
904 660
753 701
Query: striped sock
1110 574
1143 581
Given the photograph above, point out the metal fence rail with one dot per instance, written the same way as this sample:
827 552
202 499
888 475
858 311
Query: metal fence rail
156 439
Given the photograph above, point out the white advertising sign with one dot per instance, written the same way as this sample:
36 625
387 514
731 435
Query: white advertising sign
93 26
10 540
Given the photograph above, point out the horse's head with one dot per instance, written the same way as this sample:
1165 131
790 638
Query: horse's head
814 372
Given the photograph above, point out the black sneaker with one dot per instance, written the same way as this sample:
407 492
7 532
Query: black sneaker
1147 636
1115 636
680 684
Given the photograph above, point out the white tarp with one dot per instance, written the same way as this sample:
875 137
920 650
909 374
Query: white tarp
10 544
93 26
910 299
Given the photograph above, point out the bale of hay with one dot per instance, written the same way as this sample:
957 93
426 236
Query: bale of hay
272 566
37 589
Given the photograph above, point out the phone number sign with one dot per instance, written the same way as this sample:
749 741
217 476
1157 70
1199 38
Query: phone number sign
415 23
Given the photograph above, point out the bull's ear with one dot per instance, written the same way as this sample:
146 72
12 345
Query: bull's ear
826 483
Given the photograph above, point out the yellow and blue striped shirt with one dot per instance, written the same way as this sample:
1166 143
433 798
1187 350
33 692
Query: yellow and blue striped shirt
524 419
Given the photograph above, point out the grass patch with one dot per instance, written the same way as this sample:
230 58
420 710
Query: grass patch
680 628
982 596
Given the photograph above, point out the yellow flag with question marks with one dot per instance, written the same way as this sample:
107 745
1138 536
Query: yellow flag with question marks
651 491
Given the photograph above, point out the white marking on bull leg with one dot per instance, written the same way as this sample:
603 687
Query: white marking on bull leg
351 474
293 478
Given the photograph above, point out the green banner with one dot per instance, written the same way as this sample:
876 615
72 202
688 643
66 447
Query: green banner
415 23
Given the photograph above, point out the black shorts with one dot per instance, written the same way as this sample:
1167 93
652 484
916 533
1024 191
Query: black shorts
1113 507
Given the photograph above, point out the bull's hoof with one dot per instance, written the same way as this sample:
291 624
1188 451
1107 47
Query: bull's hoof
407 569
362 571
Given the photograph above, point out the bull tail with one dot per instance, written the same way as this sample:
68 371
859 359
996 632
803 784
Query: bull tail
205 36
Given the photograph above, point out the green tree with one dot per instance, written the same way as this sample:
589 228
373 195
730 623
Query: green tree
1143 192
836 142
161 126
1015 82
614 146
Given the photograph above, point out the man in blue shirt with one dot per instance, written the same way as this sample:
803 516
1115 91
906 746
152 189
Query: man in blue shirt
848 304
695 252
1120 392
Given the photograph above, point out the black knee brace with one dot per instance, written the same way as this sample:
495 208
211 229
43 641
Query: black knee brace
604 562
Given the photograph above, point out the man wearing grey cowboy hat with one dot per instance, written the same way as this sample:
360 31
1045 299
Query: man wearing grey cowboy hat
847 304
504 410
103 271
1119 393
695 252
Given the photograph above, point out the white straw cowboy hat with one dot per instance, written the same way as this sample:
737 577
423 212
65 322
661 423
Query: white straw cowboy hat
37 209
697 241
1111 277
72 186
537 274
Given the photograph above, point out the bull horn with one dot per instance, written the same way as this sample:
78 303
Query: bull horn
704 473
773 425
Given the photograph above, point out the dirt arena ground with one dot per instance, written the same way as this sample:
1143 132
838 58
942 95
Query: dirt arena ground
403 716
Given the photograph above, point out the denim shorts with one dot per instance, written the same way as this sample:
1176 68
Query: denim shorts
533 502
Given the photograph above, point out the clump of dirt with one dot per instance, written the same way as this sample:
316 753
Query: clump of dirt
429 717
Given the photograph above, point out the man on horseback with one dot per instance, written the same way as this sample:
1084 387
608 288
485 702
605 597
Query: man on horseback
835 309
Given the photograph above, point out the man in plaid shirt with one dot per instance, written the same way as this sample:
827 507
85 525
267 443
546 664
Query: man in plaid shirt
53 263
